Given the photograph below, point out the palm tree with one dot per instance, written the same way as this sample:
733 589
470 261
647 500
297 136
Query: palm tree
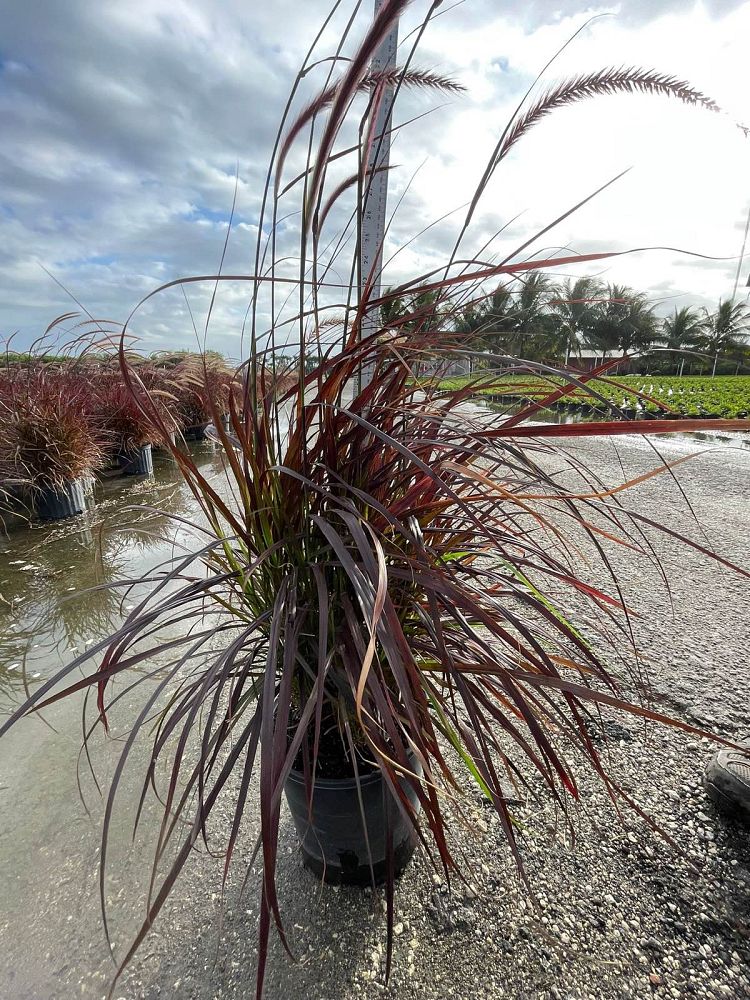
726 330
413 313
480 321
625 322
573 310
470 323
685 328
518 322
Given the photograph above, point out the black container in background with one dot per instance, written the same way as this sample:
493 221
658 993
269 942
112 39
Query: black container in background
54 503
195 433
138 462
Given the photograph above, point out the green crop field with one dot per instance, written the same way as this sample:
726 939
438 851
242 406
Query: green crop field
688 396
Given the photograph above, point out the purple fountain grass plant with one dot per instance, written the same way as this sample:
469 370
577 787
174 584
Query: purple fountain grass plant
130 414
383 564
205 384
47 437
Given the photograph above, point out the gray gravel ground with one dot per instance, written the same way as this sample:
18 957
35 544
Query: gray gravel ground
618 913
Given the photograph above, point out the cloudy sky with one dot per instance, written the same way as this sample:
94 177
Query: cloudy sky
124 124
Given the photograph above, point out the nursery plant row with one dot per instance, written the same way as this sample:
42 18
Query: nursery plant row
683 396
63 420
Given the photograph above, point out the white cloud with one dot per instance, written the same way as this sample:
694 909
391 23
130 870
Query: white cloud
125 123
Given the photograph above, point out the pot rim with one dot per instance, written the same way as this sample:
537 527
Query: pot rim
135 452
54 488
344 784
347 783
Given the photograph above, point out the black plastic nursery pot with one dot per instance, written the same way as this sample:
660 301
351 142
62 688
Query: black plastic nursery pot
137 462
162 445
195 433
333 841
53 503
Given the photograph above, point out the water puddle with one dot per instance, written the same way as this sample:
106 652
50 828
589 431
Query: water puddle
54 605
684 439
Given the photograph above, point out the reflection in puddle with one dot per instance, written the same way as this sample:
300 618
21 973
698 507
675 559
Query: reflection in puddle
54 605
54 598
738 439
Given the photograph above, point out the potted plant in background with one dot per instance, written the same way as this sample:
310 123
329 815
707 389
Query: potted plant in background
132 417
203 383
376 610
47 441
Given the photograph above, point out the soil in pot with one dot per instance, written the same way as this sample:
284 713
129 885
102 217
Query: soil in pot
137 462
53 503
343 838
